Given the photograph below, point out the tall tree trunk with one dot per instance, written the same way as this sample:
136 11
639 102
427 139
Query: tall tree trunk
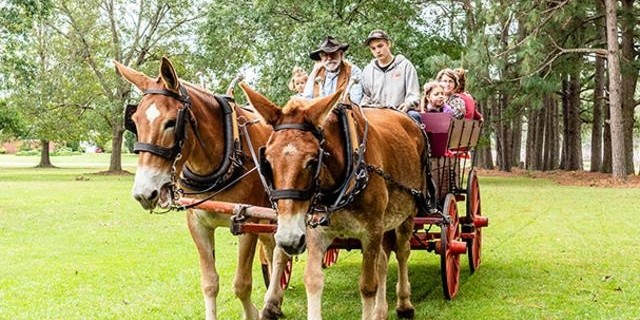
495 116
596 128
484 158
117 128
45 158
535 138
532 128
565 122
554 124
551 134
606 139
516 140
547 108
572 148
615 103
575 122
629 79
539 117
115 163
504 139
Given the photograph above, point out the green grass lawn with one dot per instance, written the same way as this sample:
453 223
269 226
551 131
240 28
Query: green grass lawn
76 246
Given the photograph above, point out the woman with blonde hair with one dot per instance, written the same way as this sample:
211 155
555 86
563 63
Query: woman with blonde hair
298 80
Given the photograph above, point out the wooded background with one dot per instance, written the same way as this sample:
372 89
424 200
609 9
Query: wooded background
551 77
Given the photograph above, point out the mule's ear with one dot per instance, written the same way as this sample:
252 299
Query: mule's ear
269 111
136 78
168 75
318 110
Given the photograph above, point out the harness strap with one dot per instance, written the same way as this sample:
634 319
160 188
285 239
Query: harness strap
167 153
231 159
182 96
293 194
356 176
305 126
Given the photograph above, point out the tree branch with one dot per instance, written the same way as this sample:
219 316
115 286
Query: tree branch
87 52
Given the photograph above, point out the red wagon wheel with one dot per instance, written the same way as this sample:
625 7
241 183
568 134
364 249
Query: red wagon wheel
266 269
474 222
450 249
330 258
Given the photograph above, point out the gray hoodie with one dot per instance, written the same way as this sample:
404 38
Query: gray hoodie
399 84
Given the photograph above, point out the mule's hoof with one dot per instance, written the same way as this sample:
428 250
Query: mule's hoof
405 314
271 312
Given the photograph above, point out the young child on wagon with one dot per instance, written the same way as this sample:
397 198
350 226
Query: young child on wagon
433 99
298 80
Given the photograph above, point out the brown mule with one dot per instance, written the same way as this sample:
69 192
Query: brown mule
181 130
305 154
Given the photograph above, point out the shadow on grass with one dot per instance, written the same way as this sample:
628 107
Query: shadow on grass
112 173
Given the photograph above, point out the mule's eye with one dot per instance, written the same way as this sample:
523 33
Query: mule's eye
311 164
170 124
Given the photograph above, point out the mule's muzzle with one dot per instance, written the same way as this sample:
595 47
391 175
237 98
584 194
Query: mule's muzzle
147 201
156 198
293 247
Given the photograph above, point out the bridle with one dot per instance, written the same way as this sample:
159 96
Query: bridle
172 153
231 168
324 201
266 174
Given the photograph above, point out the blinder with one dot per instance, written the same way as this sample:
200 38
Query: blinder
129 110
265 168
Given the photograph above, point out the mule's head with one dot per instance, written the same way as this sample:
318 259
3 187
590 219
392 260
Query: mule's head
291 161
158 126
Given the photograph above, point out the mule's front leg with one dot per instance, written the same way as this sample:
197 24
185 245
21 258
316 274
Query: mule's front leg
273 297
373 270
313 275
242 280
203 238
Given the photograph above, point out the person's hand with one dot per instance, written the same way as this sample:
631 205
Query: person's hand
403 107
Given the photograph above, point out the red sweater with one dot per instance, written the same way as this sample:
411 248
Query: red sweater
470 106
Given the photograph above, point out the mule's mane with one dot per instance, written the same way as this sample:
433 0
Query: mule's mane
197 88
293 105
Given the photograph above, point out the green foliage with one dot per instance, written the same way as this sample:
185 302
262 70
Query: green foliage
65 151
11 124
270 37
31 152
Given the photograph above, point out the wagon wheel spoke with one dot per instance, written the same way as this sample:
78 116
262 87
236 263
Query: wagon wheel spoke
474 222
450 249
330 258
266 269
